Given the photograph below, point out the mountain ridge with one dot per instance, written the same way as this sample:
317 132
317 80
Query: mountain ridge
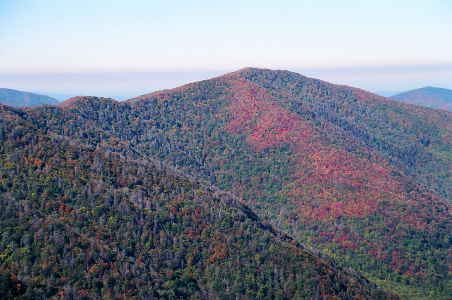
24 99
433 97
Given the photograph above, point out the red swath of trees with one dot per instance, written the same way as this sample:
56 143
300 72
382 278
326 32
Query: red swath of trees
330 187
265 123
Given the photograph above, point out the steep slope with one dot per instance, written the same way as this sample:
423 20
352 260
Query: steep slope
24 99
427 96
85 222
343 170
415 140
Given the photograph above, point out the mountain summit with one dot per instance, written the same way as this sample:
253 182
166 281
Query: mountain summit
428 96
24 99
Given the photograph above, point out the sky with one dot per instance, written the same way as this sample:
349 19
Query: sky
109 47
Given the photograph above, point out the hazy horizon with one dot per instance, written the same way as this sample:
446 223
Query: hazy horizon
137 47
377 79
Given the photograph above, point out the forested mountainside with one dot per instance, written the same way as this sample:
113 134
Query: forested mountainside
85 221
427 96
24 99
363 178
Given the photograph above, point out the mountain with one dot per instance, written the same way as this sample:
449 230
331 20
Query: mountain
427 96
24 99
85 221
363 178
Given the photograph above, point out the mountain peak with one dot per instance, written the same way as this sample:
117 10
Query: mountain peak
24 99
428 96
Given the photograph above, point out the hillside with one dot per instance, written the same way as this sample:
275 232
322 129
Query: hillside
366 179
24 99
427 96
81 221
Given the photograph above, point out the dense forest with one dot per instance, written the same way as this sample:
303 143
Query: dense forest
89 222
362 182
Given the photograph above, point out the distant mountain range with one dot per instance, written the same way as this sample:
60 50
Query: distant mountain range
64 97
16 98
428 96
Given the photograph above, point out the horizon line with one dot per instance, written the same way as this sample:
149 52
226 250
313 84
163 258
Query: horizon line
436 66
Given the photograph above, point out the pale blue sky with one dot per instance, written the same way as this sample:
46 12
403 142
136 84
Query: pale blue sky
129 47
